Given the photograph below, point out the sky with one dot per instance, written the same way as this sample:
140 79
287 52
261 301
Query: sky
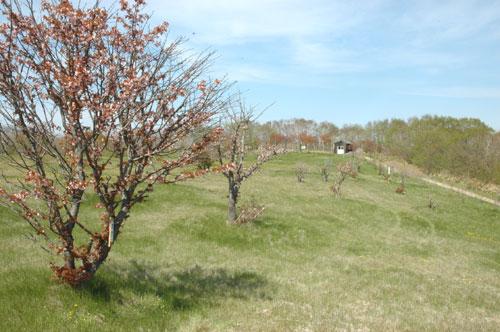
350 61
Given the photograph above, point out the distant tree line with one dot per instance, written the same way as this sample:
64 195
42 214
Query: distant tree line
462 147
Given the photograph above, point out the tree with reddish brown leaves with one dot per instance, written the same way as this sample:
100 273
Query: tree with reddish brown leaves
326 140
233 151
94 102
277 139
307 140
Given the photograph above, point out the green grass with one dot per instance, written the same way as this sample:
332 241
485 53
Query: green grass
373 260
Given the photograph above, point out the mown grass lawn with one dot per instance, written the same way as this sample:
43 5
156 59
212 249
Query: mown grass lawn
373 260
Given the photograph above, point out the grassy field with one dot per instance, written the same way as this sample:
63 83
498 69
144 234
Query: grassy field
373 260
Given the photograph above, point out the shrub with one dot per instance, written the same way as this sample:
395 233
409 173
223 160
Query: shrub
249 213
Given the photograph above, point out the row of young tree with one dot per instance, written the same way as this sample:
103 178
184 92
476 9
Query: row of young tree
463 147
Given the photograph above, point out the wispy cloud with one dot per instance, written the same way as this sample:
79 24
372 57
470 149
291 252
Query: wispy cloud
440 21
334 36
322 58
225 21
249 73
467 92
303 31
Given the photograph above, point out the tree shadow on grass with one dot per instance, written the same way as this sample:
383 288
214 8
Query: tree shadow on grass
177 290
270 223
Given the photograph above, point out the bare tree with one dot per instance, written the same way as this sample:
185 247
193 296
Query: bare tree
343 171
300 172
325 170
401 189
431 204
232 151
94 102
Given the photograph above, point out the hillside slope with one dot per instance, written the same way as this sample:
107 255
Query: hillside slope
373 260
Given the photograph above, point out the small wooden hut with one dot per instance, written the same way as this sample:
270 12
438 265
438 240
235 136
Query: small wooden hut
342 147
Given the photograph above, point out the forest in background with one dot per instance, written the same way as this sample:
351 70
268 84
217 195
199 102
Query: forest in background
463 147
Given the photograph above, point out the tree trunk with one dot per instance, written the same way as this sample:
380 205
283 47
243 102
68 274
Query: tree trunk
231 203
69 260
74 276
91 258
99 251
68 243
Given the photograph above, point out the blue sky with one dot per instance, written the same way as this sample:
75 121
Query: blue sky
351 61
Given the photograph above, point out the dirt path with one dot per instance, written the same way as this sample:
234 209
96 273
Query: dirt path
462 191
417 173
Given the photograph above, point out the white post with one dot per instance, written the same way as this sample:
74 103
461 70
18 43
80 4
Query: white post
111 233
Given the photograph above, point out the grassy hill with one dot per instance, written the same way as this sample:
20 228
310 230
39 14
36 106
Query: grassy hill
373 260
